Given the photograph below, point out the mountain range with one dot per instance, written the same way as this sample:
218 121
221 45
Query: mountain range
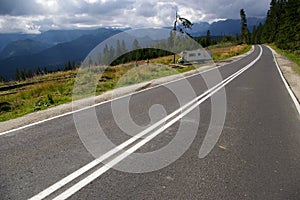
54 48
50 51
224 27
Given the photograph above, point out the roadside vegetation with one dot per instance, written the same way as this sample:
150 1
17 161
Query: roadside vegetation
47 92
292 55
228 50
39 90
43 91
281 30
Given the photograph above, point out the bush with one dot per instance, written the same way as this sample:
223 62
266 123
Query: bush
5 107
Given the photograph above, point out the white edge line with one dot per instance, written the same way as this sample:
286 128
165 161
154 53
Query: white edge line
79 185
120 97
46 192
292 95
103 102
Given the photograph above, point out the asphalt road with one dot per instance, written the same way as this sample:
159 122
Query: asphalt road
257 155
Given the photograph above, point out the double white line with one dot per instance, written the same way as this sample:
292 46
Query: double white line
156 129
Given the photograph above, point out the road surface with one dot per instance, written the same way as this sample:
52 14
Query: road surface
257 155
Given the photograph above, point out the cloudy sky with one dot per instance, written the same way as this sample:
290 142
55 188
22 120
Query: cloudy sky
33 16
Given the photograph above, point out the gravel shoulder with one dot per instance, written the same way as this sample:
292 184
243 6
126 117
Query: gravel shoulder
289 74
65 109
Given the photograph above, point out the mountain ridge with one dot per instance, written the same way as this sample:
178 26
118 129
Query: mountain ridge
54 48
55 56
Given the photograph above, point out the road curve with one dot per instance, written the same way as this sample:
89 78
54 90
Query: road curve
257 155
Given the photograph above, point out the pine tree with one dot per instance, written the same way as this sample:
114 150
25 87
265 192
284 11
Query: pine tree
29 73
123 47
38 71
119 49
254 35
258 36
111 54
135 47
100 59
244 28
282 25
18 75
45 70
2 78
23 75
289 27
207 38
68 66
135 44
105 55
273 21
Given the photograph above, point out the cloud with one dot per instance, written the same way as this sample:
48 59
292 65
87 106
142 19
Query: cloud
20 24
32 16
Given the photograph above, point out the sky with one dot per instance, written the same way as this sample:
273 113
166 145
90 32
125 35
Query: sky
34 16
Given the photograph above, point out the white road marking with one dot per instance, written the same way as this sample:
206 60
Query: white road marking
208 144
291 93
97 161
116 160
98 104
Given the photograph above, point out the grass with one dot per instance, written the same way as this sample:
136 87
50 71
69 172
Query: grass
58 88
222 52
222 45
294 56
165 60
35 97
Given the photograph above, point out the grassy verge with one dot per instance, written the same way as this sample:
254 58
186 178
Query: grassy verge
290 55
222 52
57 88
40 96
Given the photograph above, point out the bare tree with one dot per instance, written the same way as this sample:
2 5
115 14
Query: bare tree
185 24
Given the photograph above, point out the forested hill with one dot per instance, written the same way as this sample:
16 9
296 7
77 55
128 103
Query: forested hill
282 25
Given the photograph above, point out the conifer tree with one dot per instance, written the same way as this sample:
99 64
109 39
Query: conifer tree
244 28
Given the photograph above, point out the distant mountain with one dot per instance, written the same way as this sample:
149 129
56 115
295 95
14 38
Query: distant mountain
52 37
75 50
199 28
23 47
6 38
55 47
224 27
61 36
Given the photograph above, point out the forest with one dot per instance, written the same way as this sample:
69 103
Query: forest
282 26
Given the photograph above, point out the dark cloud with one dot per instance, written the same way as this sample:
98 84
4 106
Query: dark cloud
229 8
83 7
146 9
19 7
31 15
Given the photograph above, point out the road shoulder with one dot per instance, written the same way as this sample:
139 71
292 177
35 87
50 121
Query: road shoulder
68 108
292 78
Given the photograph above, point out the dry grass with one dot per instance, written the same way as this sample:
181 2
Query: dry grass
222 53
165 60
35 97
57 88
145 72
